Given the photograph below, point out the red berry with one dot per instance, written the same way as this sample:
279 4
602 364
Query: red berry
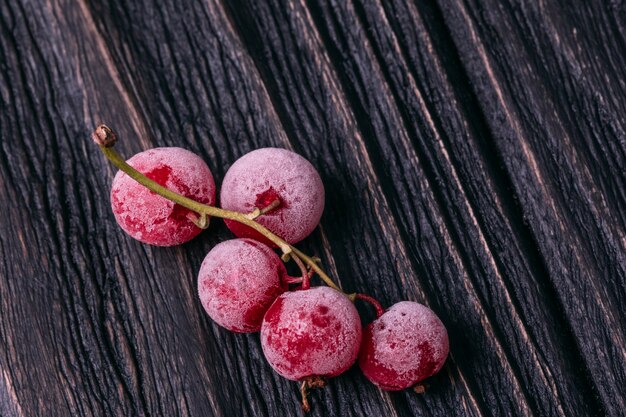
405 345
153 219
313 332
238 281
262 176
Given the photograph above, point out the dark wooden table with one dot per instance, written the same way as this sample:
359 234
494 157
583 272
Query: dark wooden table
474 157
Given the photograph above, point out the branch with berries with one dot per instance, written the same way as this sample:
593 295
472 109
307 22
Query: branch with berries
271 198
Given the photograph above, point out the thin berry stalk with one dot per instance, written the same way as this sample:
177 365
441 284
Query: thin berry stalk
374 302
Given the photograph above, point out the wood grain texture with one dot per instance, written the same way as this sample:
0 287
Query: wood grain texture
473 154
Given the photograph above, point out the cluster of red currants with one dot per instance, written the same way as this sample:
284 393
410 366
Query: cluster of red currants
271 198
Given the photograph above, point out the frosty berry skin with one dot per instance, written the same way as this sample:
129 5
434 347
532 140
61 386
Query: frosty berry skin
238 281
153 219
273 175
405 345
314 332
311 333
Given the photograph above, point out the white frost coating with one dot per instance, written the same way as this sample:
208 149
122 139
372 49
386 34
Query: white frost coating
291 176
316 332
238 281
147 216
401 334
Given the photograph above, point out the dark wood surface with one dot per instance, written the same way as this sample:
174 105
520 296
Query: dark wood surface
474 157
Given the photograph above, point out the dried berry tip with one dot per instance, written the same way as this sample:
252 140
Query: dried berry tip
310 382
104 136
420 388
306 407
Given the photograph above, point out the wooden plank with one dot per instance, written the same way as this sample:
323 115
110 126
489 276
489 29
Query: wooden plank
477 203
473 156
84 335
554 137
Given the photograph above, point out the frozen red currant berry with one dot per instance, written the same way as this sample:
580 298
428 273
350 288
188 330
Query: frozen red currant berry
153 219
278 178
238 281
405 345
314 332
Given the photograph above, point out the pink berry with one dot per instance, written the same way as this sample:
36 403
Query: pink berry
153 219
258 178
314 332
238 281
405 345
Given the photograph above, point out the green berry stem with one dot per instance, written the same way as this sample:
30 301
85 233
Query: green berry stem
105 138
258 212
